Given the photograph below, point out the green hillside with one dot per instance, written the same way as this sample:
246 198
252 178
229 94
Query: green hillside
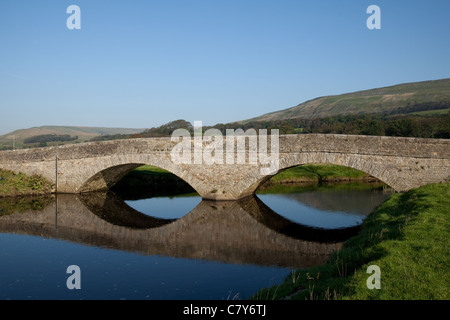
399 99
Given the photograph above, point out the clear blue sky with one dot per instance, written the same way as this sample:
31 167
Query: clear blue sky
143 63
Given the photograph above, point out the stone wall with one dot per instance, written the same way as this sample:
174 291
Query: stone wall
402 163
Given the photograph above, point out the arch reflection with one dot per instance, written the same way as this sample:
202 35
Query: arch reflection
245 231
111 208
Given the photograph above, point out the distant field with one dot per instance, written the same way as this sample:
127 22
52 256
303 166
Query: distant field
83 134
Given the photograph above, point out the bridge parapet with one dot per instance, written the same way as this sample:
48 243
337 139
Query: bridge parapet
402 163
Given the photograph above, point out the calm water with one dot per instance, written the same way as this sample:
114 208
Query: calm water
171 247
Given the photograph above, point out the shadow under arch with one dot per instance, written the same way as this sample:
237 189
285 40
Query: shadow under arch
111 177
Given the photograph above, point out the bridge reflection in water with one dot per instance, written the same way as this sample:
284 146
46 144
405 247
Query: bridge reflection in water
242 232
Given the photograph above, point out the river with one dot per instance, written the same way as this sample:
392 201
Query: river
177 247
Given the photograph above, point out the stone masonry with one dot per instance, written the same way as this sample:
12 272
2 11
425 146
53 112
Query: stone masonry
402 163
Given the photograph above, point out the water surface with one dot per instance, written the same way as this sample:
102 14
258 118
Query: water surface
170 247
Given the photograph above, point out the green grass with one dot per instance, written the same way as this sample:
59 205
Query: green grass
147 169
16 184
407 237
319 173
431 112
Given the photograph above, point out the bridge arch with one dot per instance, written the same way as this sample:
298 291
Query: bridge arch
365 165
105 174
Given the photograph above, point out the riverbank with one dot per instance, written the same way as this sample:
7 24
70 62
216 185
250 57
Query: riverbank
13 184
407 237
320 173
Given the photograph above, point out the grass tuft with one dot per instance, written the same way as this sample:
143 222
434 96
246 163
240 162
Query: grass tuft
13 184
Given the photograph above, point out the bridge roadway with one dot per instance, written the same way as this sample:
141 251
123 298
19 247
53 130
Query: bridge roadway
402 163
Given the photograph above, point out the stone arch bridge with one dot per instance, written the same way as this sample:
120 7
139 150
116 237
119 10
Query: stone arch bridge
402 163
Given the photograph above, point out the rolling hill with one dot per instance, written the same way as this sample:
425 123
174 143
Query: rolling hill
399 99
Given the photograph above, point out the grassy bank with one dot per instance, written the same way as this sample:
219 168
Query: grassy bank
407 237
13 184
319 173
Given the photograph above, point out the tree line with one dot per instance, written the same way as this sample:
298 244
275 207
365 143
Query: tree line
44 138
398 125
433 126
